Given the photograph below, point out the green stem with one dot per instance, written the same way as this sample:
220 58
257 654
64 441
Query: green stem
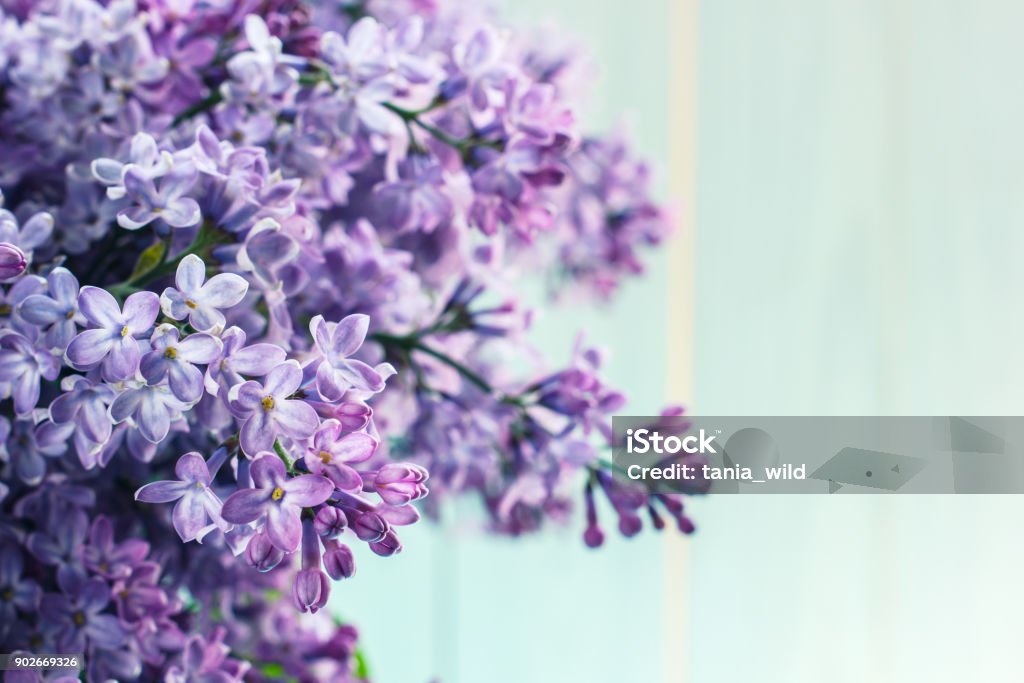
414 343
471 376
209 102
279 450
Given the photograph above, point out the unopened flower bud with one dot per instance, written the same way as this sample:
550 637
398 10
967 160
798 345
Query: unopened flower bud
338 561
387 546
12 261
263 554
329 522
311 590
401 483
370 527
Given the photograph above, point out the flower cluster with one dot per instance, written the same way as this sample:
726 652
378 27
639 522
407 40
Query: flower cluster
255 284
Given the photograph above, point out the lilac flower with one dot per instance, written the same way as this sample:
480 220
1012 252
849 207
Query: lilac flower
12 261
261 72
402 167
205 660
84 404
237 361
28 443
10 302
198 508
199 302
277 497
169 203
57 311
61 543
22 365
112 339
175 360
76 615
338 373
333 453
31 235
16 592
151 407
109 559
144 158
267 409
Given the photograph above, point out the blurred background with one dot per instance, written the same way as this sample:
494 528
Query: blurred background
847 175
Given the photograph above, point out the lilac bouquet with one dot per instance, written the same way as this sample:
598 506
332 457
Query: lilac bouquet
258 263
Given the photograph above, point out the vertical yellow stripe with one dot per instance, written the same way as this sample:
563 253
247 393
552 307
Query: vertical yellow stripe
682 27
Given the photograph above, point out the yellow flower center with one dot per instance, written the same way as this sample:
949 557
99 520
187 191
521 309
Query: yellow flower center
171 352
325 457
268 403
78 618
278 493
124 331
190 303
70 314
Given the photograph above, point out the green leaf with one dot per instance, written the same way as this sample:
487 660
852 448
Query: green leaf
149 259
362 668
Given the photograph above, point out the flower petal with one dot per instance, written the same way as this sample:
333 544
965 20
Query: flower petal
189 516
161 491
89 348
307 490
355 447
199 348
284 379
190 275
268 471
123 359
296 419
185 381
256 435
223 290
192 468
140 311
153 419
257 360
349 335
100 308
284 529
245 506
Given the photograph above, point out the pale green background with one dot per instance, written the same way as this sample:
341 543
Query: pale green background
860 223
860 230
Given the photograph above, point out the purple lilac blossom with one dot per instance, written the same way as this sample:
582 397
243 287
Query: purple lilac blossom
200 301
268 410
111 339
289 247
277 497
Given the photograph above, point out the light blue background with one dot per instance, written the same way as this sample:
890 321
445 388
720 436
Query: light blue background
860 230
860 225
